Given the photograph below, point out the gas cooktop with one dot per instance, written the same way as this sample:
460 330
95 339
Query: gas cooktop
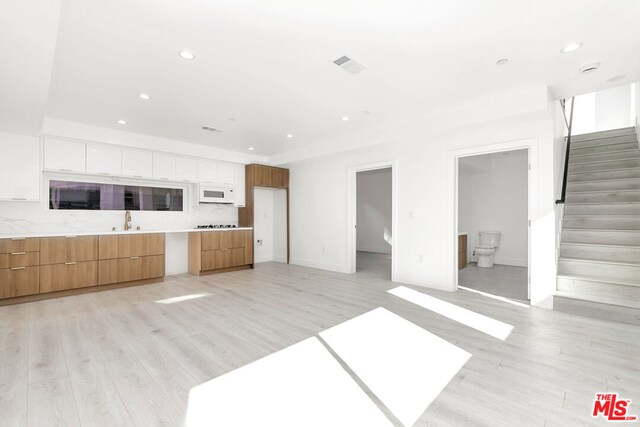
216 226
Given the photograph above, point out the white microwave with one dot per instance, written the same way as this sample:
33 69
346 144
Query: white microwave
210 194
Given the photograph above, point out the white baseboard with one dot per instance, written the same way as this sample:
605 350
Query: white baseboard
259 259
339 268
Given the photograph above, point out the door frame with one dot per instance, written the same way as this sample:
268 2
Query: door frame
352 208
454 156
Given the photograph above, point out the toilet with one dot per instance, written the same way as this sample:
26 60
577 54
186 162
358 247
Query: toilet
489 241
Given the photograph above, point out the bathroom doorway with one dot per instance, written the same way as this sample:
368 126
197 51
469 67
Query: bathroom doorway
493 223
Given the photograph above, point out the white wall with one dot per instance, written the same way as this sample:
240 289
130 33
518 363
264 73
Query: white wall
373 210
270 223
425 234
493 195
607 109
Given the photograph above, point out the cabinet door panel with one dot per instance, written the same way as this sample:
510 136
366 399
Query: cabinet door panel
262 176
19 167
137 163
248 246
67 156
72 275
210 240
56 250
107 271
139 268
108 247
19 282
164 166
8 246
279 178
104 159
208 260
186 169
222 258
53 250
237 257
19 259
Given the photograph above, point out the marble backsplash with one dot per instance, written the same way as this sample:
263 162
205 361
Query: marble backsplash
33 217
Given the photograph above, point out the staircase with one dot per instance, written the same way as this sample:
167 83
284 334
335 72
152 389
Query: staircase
599 265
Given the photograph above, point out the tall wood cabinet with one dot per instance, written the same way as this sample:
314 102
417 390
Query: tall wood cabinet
262 176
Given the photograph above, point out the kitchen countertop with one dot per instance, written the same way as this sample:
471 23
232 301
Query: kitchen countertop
108 233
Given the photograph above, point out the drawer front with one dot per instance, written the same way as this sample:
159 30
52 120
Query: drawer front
107 271
212 240
72 275
140 245
108 247
19 281
8 246
19 259
222 258
140 268
58 250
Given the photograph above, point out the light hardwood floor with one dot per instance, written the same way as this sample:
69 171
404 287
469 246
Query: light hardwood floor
119 358
503 280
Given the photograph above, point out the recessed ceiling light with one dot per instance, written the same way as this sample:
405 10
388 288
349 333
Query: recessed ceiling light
590 68
617 78
122 122
250 148
345 118
144 96
289 135
502 61
185 54
571 47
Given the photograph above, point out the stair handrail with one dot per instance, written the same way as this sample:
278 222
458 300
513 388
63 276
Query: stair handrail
569 124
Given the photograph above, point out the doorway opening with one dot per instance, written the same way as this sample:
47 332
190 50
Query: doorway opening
371 220
493 223
270 224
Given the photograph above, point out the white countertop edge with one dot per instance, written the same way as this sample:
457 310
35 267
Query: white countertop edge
463 234
108 233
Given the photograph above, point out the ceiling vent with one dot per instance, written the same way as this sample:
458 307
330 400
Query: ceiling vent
590 68
211 129
349 64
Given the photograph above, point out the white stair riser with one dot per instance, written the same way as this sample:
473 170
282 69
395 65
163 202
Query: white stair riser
577 143
604 166
576 151
598 311
601 237
600 157
601 271
613 174
601 253
604 197
603 209
600 223
613 184
605 134
590 288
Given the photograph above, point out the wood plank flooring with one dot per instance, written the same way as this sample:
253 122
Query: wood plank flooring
120 358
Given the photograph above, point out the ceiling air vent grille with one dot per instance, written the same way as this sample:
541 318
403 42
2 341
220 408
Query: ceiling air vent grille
211 129
349 64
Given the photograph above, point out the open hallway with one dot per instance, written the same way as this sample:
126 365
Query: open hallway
131 356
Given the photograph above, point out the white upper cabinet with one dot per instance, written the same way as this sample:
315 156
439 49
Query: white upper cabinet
186 169
104 159
217 172
207 171
19 167
137 163
164 166
226 173
239 184
66 156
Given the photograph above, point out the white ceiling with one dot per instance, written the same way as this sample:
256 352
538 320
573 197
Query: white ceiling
267 64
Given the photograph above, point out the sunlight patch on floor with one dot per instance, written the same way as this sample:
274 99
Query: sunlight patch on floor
405 366
181 298
496 297
482 323
302 385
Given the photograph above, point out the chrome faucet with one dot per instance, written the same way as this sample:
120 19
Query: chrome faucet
127 221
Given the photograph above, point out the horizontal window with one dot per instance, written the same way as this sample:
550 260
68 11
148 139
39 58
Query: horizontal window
68 195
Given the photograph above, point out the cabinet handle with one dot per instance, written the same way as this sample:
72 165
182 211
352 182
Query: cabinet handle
18 253
70 263
19 198
18 268
64 170
103 173
137 176
134 257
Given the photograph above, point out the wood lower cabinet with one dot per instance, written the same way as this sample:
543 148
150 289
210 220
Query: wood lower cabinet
58 250
19 281
462 251
130 258
19 271
214 251
70 275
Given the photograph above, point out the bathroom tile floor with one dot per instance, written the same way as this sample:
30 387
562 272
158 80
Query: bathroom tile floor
503 280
